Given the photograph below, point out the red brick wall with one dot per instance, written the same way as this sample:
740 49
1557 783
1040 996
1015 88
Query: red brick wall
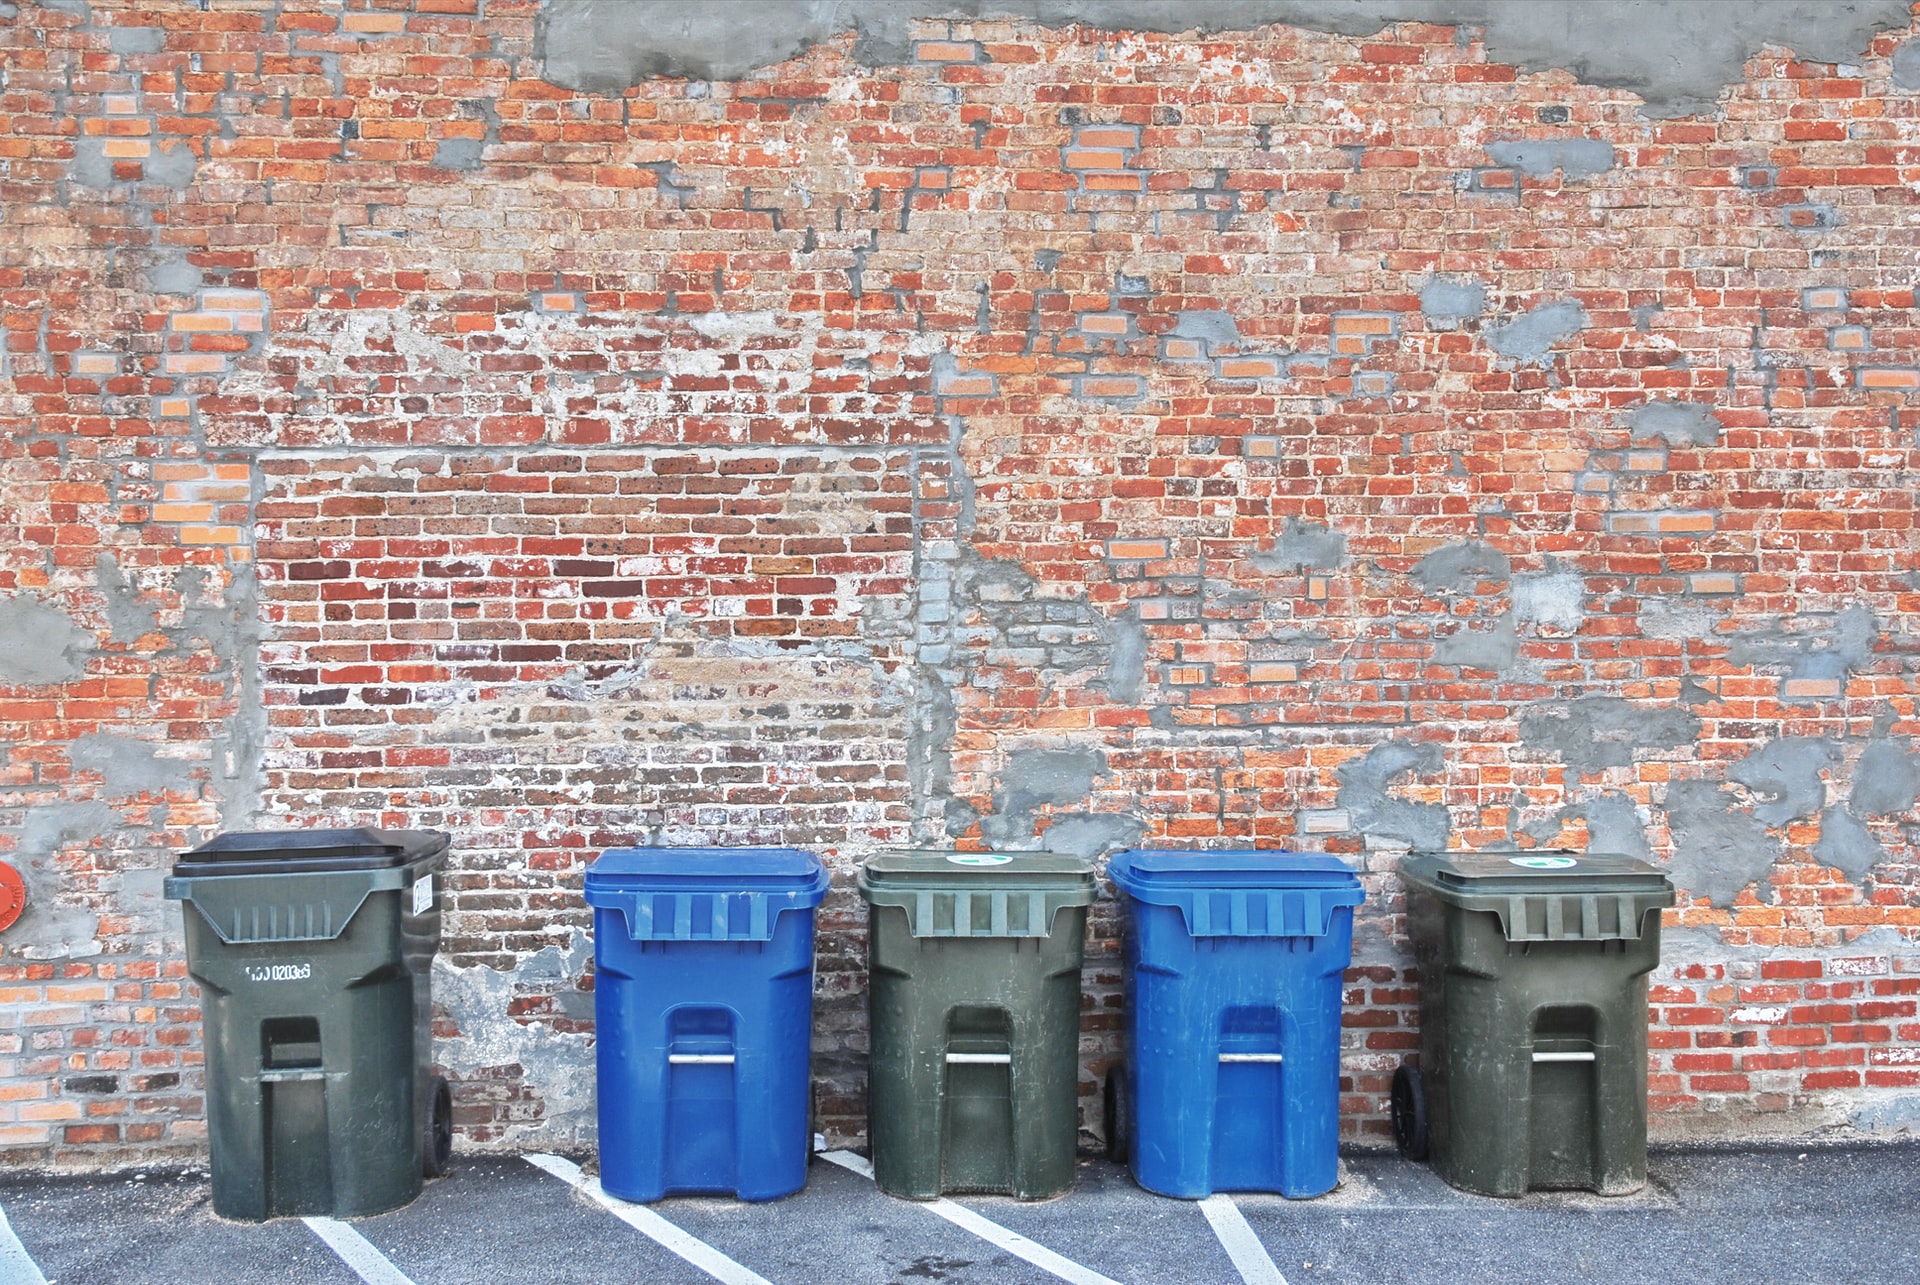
1068 437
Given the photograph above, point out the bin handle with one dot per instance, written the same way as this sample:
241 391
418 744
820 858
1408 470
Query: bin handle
981 1059
1250 1057
700 1059
1585 1056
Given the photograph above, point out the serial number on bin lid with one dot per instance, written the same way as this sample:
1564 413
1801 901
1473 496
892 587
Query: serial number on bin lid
279 972
1543 863
980 859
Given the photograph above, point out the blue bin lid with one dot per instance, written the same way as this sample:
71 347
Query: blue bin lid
705 894
1242 893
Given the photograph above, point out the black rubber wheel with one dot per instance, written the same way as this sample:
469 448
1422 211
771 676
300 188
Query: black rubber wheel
1116 1113
1409 1106
437 1156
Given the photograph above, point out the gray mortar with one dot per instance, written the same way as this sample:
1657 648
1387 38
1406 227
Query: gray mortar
1494 647
1613 825
1460 569
127 620
1906 64
173 166
1530 337
1718 849
1127 662
1034 778
558 1067
1886 780
1599 732
1847 845
458 154
1378 815
1551 597
173 273
50 927
232 631
1448 301
1825 647
1088 835
1215 329
136 40
1306 545
1888 1115
40 644
1785 776
1679 619
1676 57
1675 423
1575 158
128 767
931 721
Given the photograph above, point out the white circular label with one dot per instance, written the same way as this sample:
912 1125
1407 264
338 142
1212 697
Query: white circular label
980 859
1543 863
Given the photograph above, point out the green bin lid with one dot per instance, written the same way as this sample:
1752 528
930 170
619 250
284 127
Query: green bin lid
977 894
1546 896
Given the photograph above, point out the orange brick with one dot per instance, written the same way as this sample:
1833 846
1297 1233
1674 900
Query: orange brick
1108 136
198 321
1136 548
1804 687
374 23
183 513
210 535
1095 158
1105 323
1183 350
1186 675
967 385
232 300
1249 367
1273 671
945 51
1889 377
126 149
193 363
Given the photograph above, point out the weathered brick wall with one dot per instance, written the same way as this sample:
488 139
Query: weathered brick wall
1063 437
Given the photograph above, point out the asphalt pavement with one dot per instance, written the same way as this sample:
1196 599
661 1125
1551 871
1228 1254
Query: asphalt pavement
1739 1215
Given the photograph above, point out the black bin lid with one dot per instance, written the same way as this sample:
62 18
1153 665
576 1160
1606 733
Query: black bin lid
276 852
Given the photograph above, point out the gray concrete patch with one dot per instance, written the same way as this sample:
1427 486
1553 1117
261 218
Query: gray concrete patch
1299 545
1448 301
128 766
1675 423
54 926
1817 647
1461 568
40 644
1599 732
1718 849
173 273
1575 158
1493 647
136 40
1613 825
1215 329
1785 777
1886 780
1364 783
1906 64
1847 845
1552 597
1090 835
127 620
1677 57
1033 779
1529 337
462 154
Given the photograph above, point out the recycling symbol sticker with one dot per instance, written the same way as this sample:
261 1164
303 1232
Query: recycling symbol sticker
980 859
1543 863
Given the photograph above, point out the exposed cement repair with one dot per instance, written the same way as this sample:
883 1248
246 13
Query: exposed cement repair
1847 845
1035 778
1717 850
1447 301
1676 55
1906 65
1303 545
40 644
1551 597
1378 815
1812 645
1575 158
1784 775
1675 423
1530 336
1886 780
1461 568
1599 732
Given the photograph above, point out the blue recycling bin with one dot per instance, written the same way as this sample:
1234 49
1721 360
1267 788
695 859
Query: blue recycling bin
703 1001
1233 982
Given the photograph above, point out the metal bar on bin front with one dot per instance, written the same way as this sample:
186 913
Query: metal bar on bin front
981 1059
1564 1057
1250 1057
699 1059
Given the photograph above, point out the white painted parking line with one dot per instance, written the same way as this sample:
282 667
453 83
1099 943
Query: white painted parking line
357 1252
1011 1241
1249 1256
651 1225
16 1264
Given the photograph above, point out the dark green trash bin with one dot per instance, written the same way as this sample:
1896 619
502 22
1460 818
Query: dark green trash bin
1533 1019
974 980
312 950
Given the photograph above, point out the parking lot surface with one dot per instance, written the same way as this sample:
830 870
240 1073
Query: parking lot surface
1745 1216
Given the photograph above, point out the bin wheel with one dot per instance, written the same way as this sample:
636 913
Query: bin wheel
1409 1108
437 1157
1116 1113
